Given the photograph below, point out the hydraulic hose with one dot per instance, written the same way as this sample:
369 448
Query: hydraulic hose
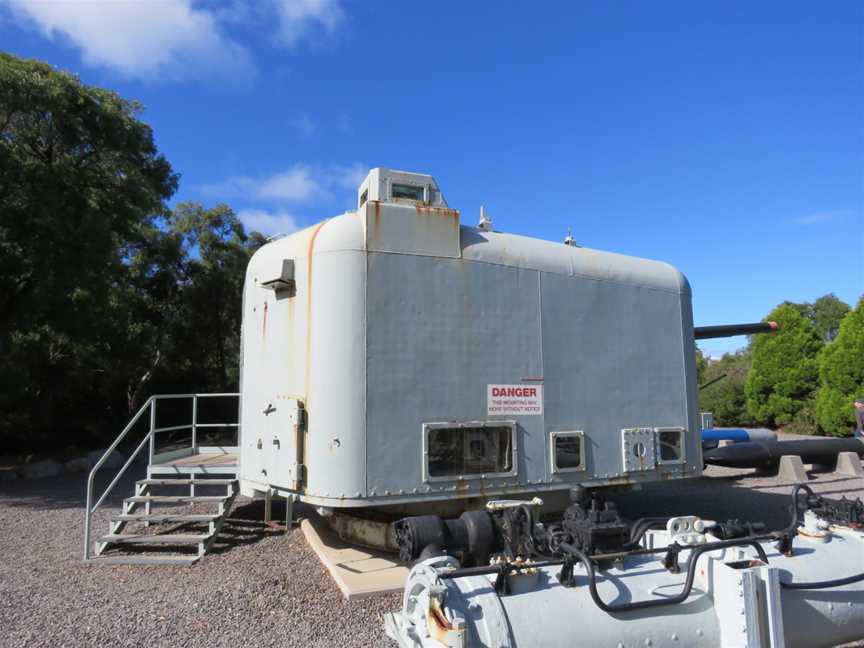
673 600
793 524
791 532
641 526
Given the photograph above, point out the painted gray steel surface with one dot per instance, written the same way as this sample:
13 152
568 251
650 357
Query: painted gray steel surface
401 317
727 606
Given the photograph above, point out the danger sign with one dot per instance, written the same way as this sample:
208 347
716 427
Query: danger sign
521 400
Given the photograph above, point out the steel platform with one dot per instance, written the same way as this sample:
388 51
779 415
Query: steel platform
200 463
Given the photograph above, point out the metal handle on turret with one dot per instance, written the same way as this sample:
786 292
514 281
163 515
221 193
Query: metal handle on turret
729 330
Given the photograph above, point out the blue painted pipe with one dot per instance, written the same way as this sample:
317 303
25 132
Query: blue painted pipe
725 434
715 435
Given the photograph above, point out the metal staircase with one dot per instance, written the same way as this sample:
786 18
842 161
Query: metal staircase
167 531
202 484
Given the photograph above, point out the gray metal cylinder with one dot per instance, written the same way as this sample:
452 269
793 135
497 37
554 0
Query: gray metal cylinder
736 601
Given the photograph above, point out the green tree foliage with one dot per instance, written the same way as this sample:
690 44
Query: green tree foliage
841 375
725 398
826 313
105 294
80 179
215 252
784 373
701 366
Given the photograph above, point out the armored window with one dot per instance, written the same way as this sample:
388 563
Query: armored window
470 449
670 445
409 192
568 451
363 197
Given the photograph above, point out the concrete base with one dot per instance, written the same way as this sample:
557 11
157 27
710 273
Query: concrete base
358 572
792 469
849 465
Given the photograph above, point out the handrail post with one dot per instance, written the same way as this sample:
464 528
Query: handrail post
88 503
87 517
195 424
237 427
152 436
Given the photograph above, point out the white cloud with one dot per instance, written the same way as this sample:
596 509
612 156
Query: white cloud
280 192
349 177
298 17
174 39
266 222
142 40
825 217
300 183
293 185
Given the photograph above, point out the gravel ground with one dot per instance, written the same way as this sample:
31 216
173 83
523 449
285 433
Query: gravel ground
262 587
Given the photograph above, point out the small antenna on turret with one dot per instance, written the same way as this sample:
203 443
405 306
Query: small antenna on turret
485 223
569 240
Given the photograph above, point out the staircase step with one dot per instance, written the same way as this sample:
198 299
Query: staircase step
161 519
186 482
180 499
144 560
174 539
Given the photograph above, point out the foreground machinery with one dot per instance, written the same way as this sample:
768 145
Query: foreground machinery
591 579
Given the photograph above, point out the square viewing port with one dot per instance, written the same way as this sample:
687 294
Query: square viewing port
568 451
670 445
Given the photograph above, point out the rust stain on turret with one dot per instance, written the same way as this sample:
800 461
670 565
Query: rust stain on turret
310 252
373 220
442 211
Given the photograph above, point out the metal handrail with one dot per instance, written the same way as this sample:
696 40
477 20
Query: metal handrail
150 403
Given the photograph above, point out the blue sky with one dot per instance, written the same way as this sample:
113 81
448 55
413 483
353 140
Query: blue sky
724 138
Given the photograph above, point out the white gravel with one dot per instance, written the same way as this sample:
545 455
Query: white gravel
264 588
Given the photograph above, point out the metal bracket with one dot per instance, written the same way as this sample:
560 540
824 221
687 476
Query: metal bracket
670 560
502 585
686 529
565 576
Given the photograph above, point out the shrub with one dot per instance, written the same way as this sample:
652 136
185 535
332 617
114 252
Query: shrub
841 375
804 422
725 399
784 373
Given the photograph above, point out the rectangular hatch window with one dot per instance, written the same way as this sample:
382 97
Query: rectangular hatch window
567 451
670 442
409 192
469 449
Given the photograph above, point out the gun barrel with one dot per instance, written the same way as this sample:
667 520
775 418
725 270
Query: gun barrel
756 454
729 330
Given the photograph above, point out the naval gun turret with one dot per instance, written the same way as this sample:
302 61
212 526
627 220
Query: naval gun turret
393 358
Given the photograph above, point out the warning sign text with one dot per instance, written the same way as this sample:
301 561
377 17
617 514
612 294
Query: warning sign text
520 400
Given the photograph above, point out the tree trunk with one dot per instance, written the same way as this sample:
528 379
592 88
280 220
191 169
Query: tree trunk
134 395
